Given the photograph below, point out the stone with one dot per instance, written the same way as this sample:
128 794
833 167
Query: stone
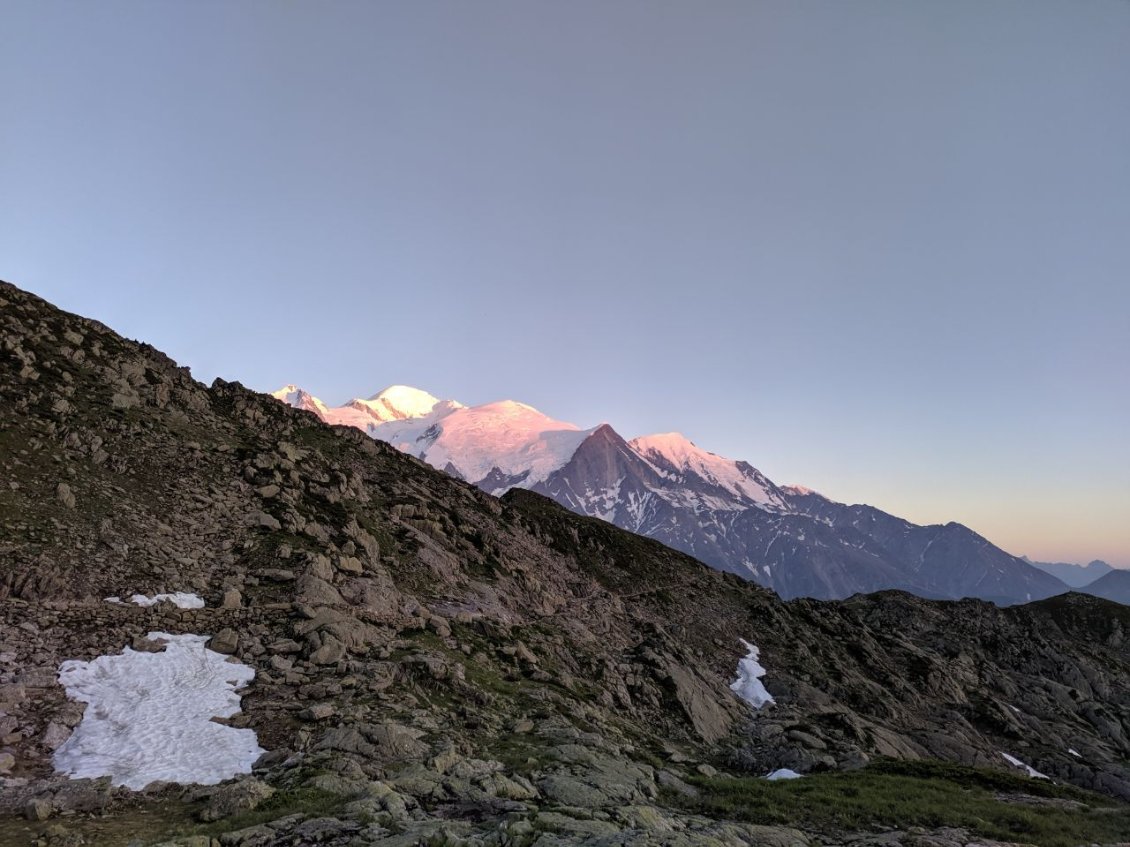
350 565
38 809
64 495
645 817
317 591
235 798
672 782
321 568
148 645
285 645
806 739
7 762
571 791
225 641
264 520
55 735
318 712
232 599
330 652
396 741
709 719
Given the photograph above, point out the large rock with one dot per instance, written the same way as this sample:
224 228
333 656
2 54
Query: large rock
235 798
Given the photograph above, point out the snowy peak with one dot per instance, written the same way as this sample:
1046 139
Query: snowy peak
294 396
675 456
724 512
399 402
395 403
511 437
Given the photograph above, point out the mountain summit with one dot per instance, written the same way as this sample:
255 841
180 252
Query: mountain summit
423 663
720 510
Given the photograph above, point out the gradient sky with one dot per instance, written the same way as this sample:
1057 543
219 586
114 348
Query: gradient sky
877 248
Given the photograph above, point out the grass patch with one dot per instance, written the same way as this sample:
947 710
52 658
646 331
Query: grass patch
311 802
924 794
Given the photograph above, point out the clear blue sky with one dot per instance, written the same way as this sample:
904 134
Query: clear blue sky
877 248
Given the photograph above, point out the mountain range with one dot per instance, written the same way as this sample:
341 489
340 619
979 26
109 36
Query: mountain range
1074 575
411 660
722 511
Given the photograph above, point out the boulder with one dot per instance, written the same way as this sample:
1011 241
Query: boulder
235 798
225 641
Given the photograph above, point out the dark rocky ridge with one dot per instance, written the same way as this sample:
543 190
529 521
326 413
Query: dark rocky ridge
445 663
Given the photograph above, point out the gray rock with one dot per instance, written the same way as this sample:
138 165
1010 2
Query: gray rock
264 520
38 809
235 798
55 735
64 495
225 641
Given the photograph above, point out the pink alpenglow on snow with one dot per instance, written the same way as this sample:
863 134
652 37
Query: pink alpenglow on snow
510 436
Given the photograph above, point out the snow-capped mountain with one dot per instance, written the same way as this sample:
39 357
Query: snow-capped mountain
395 403
294 396
724 512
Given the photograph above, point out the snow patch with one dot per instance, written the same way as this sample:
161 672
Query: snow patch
180 599
783 773
673 456
1032 772
149 716
1074 752
748 684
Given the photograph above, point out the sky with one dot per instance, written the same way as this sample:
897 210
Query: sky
880 249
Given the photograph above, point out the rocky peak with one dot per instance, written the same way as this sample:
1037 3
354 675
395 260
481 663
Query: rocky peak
434 663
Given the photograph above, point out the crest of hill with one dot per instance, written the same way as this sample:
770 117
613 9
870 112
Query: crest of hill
417 640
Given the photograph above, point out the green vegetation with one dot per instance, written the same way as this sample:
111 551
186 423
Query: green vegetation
312 802
920 794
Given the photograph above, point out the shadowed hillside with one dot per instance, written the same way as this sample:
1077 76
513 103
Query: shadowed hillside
437 665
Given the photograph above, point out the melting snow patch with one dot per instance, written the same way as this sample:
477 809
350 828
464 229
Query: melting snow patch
149 716
1032 772
1074 752
783 773
748 684
180 599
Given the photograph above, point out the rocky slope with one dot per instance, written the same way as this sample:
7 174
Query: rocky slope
723 512
434 665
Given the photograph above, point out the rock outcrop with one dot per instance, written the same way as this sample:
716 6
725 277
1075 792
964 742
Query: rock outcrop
434 665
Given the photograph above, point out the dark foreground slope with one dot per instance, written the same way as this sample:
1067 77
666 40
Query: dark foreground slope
434 664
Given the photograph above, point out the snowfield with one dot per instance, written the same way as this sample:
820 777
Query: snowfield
149 716
1015 762
748 684
180 599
